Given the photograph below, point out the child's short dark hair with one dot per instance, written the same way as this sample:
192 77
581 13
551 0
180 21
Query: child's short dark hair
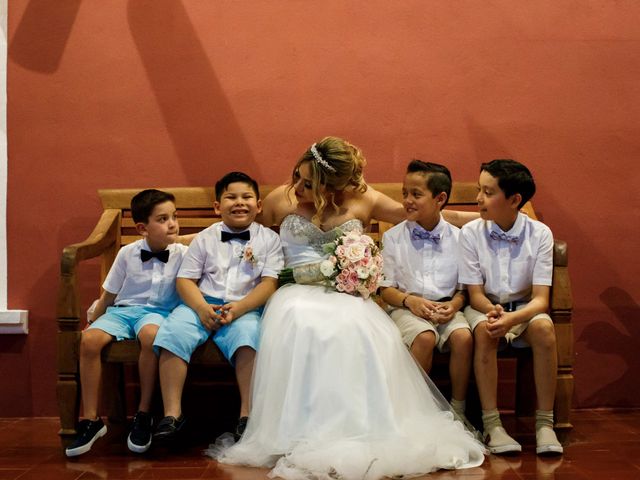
233 177
438 177
143 203
513 177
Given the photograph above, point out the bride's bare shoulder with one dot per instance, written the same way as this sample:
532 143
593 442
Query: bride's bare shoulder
279 203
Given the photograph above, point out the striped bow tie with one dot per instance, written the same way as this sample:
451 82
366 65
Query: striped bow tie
419 233
503 236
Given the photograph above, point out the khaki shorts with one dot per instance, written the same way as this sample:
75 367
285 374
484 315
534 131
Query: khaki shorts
411 326
474 317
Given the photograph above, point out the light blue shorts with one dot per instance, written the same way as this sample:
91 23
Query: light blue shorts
125 323
182 332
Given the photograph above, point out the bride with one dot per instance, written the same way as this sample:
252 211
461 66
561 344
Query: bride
335 392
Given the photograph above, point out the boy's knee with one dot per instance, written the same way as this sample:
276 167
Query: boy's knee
93 341
461 341
424 342
147 335
542 334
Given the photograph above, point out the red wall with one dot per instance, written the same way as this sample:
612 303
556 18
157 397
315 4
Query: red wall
115 93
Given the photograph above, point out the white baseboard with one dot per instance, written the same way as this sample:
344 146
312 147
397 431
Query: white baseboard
14 321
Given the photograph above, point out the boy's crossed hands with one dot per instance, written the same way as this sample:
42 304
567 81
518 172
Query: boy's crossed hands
438 312
498 321
215 316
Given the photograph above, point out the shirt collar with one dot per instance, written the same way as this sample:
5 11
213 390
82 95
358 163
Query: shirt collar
515 230
438 229
225 228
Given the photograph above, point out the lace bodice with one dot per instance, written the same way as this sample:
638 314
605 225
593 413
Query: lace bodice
302 240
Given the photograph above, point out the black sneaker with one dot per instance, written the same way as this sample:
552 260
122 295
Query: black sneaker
88 432
168 428
241 427
139 440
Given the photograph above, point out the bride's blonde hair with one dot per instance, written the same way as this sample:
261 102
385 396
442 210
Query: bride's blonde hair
335 164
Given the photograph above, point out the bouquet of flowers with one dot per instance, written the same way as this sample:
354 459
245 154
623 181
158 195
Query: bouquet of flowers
354 266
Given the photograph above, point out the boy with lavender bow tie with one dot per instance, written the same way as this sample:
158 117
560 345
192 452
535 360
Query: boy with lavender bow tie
139 292
226 277
507 262
421 278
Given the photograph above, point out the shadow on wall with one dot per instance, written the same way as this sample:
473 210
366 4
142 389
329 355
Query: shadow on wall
622 343
42 34
198 117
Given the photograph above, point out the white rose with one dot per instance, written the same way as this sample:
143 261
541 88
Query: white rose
326 268
363 272
355 252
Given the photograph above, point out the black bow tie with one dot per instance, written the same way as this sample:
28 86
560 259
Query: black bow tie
163 256
226 236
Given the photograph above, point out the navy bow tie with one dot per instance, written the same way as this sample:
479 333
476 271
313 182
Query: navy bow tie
226 236
503 236
419 233
146 255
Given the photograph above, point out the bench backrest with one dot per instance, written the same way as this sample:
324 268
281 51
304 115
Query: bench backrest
195 208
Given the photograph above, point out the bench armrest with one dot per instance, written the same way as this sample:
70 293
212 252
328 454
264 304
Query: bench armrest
102 241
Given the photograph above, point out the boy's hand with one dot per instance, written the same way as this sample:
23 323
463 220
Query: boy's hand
498 322
444 313
421 307
210 317
229 312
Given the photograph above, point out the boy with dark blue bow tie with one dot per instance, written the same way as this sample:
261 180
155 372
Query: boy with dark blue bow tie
421 278
507 264
139 292
226 277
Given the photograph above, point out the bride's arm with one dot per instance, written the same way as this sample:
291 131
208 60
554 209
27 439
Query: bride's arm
384 208
459 218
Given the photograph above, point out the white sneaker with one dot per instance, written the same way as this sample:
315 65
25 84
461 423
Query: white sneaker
498 440
547 442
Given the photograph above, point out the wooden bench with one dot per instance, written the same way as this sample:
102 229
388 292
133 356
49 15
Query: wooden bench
195 210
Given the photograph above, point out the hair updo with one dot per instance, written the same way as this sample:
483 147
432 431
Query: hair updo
336 165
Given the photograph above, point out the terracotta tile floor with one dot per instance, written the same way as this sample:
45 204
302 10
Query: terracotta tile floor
604 444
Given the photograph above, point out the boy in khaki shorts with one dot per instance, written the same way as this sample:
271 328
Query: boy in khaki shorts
506 261
421 278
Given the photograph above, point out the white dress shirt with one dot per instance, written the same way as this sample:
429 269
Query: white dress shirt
151 283
421 267
220 267
507 268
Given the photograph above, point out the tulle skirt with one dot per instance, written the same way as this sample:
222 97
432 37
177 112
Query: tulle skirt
336 394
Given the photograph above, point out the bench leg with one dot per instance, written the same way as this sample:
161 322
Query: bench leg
564 395
68 393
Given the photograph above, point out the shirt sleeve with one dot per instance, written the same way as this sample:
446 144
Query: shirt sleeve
469 272
389 262
543 267
194 260
275 258
117 273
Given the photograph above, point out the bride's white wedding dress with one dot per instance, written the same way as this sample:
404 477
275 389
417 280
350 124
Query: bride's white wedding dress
335 392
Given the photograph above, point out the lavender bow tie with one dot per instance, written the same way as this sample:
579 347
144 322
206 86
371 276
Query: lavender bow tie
503 236
421 234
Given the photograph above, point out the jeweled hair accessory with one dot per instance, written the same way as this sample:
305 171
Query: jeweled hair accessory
321 160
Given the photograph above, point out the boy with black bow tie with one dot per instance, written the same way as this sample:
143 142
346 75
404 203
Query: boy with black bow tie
226 277
506 262
139 292
421 278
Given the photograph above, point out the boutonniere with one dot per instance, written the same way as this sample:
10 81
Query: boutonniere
247 255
